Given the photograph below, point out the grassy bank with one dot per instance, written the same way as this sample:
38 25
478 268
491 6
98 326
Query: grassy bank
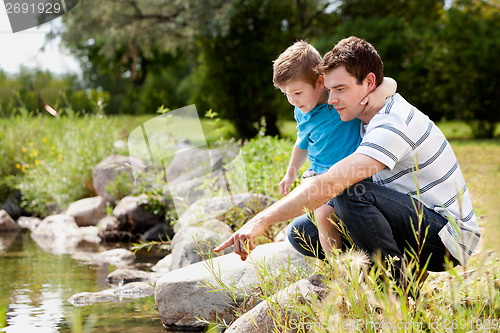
50 160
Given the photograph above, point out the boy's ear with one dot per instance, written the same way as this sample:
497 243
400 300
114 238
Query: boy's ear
320 81
371 82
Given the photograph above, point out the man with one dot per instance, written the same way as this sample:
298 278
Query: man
417 187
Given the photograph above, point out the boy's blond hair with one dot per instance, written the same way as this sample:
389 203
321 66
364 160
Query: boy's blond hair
297 62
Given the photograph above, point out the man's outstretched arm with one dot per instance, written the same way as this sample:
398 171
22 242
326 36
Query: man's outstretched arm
309 195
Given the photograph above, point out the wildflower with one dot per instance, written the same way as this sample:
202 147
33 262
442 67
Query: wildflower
23 149
34 152
18 166
44 140
37 162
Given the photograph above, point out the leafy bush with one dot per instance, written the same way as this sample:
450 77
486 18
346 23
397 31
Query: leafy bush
50 160
266 162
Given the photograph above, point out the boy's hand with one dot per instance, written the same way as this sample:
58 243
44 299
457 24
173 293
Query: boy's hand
376 100
285 184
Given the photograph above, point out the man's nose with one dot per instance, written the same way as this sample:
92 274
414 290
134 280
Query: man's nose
332 99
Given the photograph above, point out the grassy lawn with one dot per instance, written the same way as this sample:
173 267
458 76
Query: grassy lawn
480 163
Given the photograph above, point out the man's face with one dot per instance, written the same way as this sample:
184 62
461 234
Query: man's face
345 94
302 94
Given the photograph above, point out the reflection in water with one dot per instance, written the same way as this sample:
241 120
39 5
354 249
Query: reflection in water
6 239
35 286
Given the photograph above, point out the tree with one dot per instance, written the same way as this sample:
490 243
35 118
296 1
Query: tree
235 75
463 63
139 51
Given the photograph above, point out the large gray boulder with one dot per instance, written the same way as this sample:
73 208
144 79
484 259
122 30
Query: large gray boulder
277 313
88 211
240 207
183 295
107 170
7 224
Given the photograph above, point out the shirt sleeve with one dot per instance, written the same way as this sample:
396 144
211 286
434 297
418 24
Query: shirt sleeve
387 140
302 135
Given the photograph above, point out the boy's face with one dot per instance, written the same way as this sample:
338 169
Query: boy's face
345 93
302 94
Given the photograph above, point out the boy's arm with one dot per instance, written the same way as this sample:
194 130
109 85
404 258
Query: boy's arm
376 100
298 159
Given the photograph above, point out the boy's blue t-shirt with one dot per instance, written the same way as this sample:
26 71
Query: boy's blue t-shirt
327 138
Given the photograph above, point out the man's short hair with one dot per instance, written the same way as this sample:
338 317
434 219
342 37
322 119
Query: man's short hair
357 56
297 62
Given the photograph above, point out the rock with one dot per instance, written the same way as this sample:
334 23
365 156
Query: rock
189 242
134 290
57 226
196 174
108 228
115 257
88 211
281 235
130 290
124 275
7 224
133 217
239 207
27 222
160 232
60 234
107 223
183 295
190 163
90 234
163 266
260 318
13 205
106 171
86 298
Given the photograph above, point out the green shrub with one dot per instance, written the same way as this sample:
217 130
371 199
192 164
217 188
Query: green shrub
266 162
50 160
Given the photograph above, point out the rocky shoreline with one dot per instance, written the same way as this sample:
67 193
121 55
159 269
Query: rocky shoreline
183 282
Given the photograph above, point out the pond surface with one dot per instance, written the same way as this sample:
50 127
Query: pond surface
35 286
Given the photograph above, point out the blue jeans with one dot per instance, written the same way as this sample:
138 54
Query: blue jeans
379 219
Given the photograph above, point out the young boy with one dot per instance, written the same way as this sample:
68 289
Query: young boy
321 134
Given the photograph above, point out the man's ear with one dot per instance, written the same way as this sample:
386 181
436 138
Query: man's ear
371 82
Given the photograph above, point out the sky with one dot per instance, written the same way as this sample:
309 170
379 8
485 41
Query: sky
24 48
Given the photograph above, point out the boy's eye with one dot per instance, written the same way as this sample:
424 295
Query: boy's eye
298 93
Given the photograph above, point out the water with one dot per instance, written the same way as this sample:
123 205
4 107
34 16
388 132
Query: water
35 286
